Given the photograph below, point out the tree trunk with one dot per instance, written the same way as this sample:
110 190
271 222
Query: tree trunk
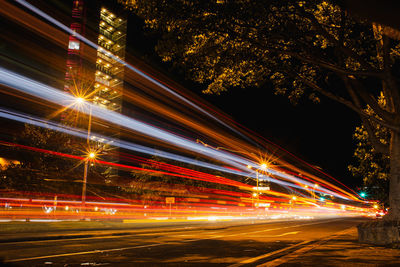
387 231
394 195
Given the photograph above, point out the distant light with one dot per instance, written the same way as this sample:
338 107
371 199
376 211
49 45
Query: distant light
79 100
92 155
254 194
322 199
363 194
263 166
375 206
294 197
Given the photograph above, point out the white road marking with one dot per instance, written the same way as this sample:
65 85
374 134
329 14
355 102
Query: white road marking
289 233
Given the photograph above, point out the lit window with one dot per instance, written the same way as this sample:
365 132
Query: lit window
73 45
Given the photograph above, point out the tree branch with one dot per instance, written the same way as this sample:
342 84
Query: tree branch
379 146
393 89
372 102
347 103
332 67
347 51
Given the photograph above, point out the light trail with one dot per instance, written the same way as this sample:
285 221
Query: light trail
134 69
138 148
286 175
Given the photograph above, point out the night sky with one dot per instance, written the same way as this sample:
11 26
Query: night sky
320 134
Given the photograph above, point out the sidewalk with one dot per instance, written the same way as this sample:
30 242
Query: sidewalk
341 250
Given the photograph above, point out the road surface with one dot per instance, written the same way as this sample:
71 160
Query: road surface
266 243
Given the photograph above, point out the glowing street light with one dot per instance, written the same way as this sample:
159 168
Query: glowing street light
79 100
263 166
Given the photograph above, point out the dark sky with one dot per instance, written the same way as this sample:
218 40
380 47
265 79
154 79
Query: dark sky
320 134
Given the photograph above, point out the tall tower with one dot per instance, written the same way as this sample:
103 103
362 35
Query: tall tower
74 71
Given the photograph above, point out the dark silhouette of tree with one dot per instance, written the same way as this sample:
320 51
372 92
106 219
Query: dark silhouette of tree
305 48
372 167
46 172
152 185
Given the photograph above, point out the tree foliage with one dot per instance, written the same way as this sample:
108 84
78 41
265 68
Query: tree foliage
45 172
149 185
372 167
298 45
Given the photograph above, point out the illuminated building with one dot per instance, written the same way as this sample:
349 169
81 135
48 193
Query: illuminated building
93 75
109 72
107 88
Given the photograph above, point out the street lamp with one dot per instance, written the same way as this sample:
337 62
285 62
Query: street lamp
91 155
263 166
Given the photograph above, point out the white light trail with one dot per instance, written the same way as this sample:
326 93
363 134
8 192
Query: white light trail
134 69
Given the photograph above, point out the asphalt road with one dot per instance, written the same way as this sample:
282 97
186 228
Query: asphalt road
267 243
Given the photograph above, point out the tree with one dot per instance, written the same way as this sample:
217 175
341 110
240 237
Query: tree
144 182
306 48
371 166
46 172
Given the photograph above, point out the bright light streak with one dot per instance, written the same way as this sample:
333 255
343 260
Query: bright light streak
102 50
37 89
